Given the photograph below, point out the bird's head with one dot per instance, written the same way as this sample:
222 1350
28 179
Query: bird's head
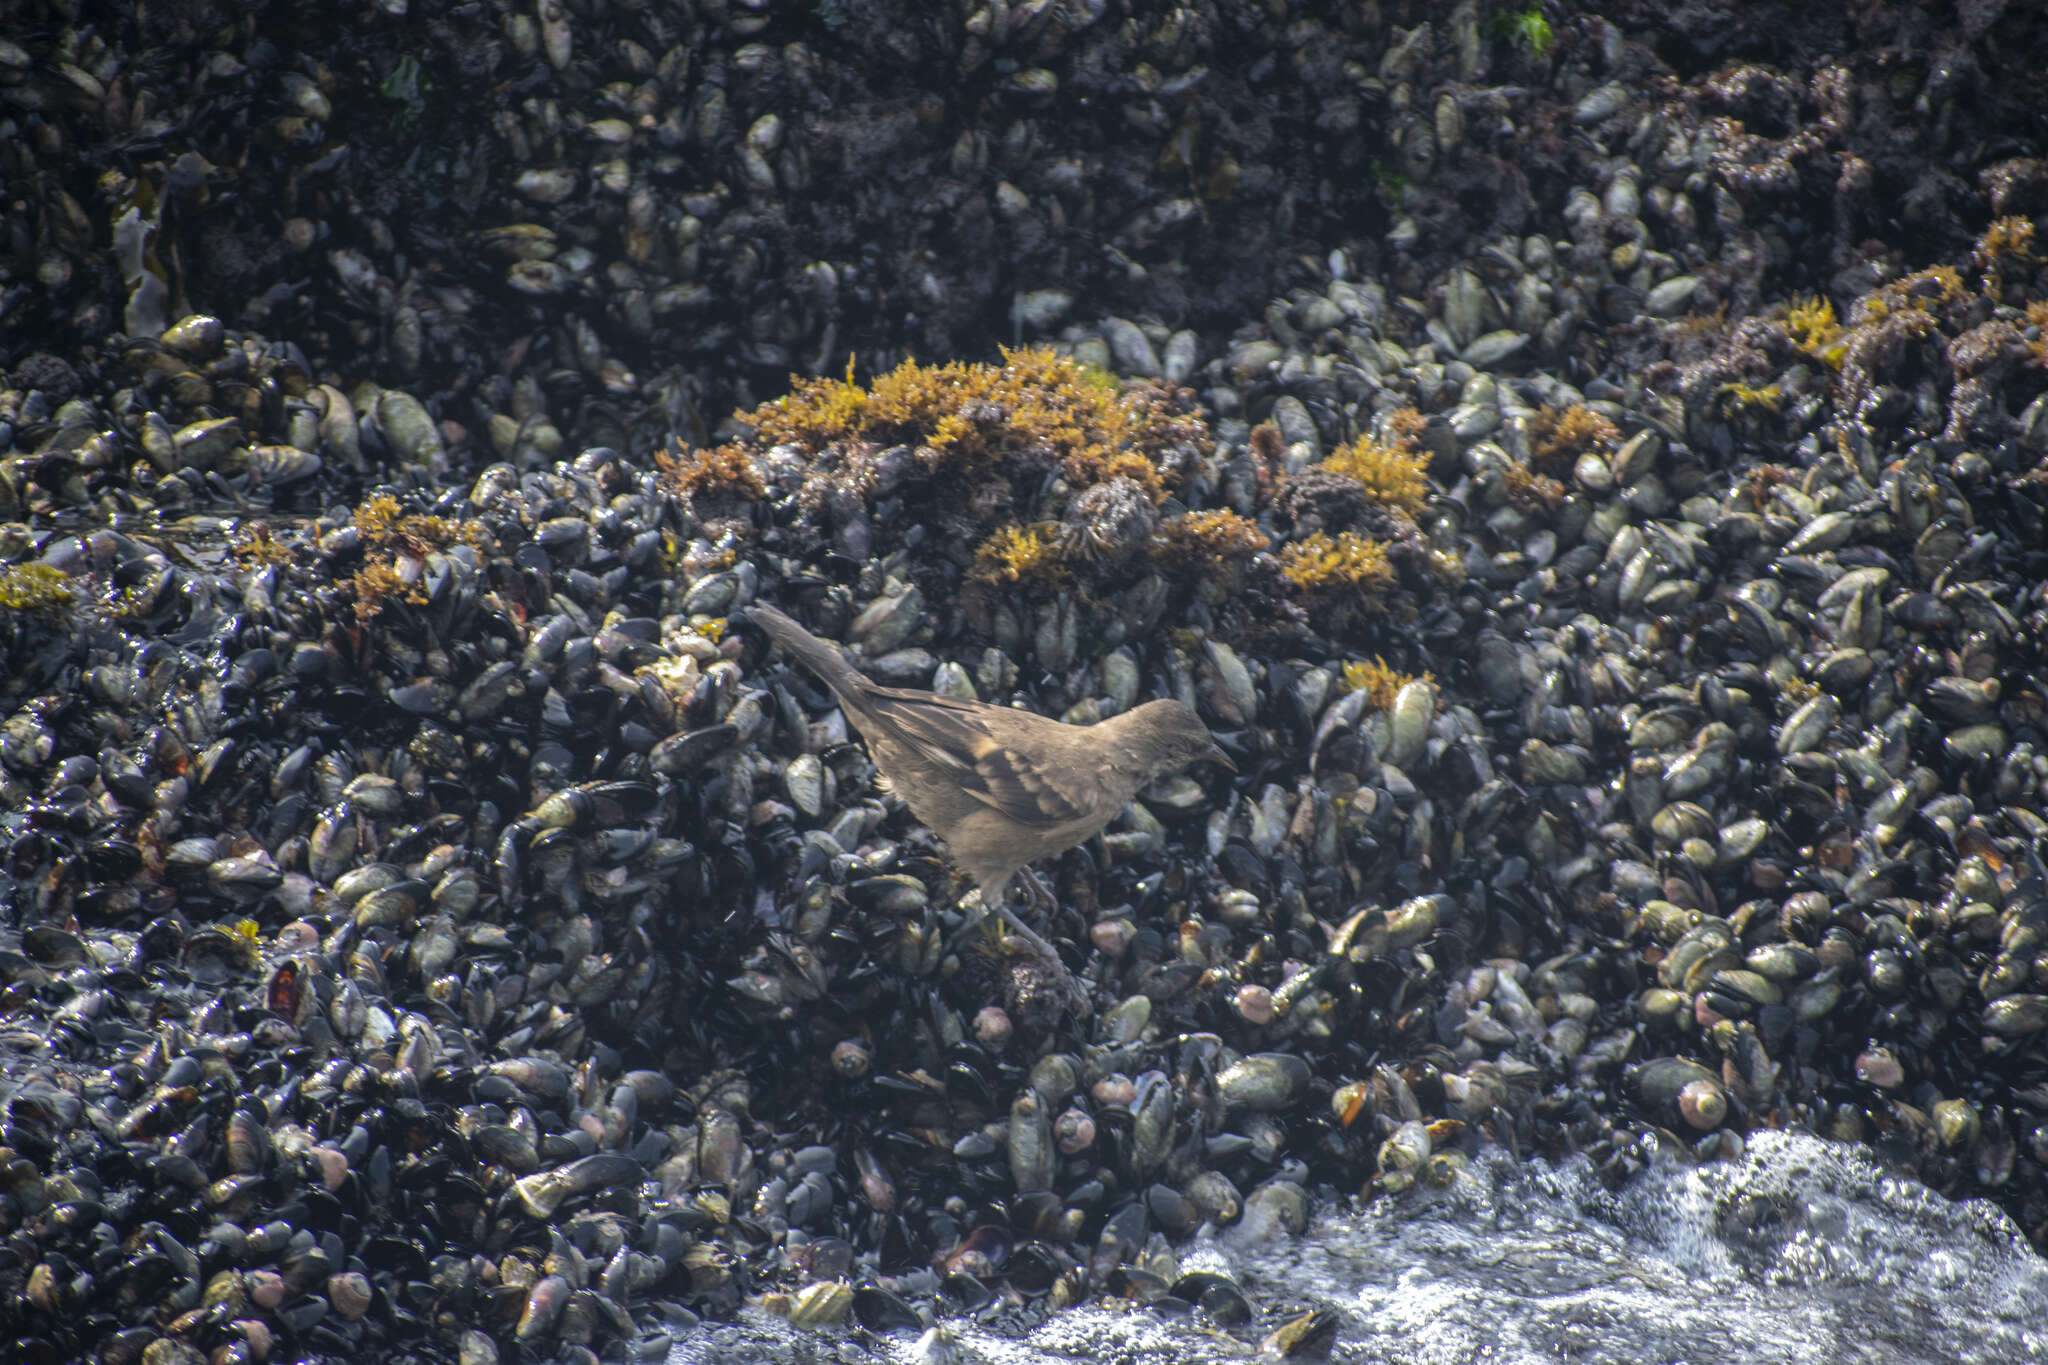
1171 737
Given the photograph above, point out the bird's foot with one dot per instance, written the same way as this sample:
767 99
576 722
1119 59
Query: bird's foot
1039 990
1037 964
1027 933
1016 927
1037 891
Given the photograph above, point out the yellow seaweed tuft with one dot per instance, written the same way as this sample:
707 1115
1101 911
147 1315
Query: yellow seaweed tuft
387 528
389 531
2010 236
1378 680
1201 540
1737 397
1323 564
1015 555
723 471
1923 292
1037 405
1557 437
1798 690
34 587
1812 325
1762 479
1405 425
375 583
377 518
2037 318
1393 478
1446 565
254 542
1531 492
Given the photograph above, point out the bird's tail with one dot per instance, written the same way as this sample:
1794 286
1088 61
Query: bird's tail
821 658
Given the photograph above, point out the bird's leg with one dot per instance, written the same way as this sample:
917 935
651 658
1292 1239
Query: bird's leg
1016 924
1026 932
1053 980
1040 896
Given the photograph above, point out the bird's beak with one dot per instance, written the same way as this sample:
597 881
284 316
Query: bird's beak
1217 755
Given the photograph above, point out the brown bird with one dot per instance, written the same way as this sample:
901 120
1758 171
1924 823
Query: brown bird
1002 787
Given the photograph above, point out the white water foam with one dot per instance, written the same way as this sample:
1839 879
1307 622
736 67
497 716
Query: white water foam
1802 1252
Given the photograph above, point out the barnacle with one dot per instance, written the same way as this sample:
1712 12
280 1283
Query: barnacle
1347 561
1557 437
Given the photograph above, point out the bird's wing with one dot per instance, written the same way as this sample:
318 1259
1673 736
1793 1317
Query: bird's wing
957 737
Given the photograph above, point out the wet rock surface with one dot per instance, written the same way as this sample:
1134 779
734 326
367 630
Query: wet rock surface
433 924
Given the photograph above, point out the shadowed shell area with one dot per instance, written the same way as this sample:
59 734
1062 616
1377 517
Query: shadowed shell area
1587 475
